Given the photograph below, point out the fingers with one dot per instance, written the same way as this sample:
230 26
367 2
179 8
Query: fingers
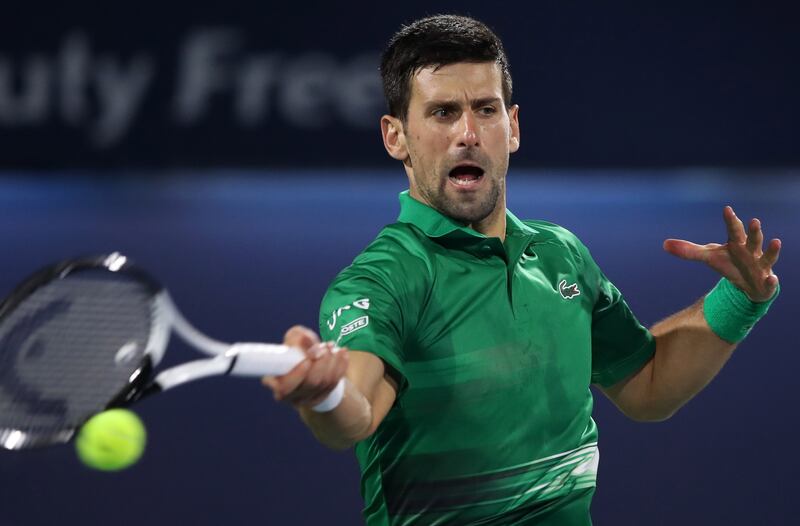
329 365
287 383
770 257
742 260
734 225
301 337
755 237
313 379
688 250
755 242
771 283
321 380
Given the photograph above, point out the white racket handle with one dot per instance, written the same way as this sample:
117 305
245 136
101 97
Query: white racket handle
267 359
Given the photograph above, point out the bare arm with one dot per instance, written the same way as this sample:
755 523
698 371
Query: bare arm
688 356
369 391
688 353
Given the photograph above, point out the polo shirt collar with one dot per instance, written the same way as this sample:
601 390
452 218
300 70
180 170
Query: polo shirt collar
437 225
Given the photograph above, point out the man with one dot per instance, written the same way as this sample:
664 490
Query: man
472 337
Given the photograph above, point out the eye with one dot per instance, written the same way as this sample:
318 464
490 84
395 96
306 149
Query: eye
487 110
441 113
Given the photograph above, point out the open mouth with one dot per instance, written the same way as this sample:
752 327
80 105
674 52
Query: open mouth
466 175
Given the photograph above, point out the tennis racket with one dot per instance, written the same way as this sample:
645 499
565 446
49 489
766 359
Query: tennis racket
85 335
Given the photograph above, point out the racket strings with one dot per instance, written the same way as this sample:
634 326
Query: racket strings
68 348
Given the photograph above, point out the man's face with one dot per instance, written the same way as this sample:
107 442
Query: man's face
458 136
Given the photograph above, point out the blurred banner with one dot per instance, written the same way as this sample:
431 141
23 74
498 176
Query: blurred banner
289 84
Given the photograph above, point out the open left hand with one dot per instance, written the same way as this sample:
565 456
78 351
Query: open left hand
741 259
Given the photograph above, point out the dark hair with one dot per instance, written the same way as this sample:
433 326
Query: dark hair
437 41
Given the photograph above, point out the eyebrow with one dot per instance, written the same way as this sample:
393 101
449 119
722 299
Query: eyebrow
454 103
486 101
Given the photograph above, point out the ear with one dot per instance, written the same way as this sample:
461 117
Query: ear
394 137
513 117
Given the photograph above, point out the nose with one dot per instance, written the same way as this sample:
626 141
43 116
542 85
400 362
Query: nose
468 133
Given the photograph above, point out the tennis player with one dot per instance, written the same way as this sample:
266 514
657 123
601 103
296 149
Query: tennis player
472 337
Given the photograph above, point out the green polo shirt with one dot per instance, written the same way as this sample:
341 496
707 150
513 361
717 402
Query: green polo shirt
494 345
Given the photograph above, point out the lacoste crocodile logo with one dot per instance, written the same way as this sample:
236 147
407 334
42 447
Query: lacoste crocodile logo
568 291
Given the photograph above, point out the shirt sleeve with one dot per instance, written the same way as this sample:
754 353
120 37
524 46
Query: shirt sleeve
620 344
359 313
373 305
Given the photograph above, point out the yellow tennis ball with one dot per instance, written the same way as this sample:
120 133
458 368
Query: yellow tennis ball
111 440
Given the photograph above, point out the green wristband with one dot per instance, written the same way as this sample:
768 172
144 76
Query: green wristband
730 313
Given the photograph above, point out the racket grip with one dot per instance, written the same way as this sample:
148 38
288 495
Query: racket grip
263 359
268 359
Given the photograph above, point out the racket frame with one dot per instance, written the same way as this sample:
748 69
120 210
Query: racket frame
243 359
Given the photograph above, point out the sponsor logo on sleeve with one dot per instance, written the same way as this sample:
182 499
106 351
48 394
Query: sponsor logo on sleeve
362 304
353 326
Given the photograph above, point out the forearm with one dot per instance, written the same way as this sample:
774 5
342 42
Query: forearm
688 356
691 348
368 397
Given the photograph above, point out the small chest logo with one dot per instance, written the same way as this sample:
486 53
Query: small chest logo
568 291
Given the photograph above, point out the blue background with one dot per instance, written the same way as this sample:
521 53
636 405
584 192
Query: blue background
639 123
